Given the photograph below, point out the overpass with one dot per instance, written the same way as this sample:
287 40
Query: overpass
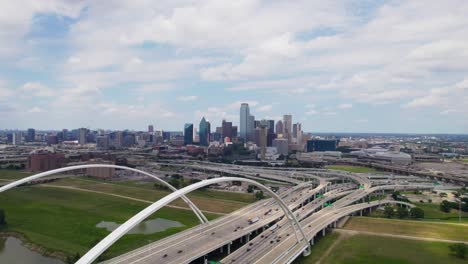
307 204
317 201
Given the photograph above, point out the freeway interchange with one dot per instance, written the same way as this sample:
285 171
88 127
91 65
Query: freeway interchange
259 232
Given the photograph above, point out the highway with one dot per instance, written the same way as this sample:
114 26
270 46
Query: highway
307 199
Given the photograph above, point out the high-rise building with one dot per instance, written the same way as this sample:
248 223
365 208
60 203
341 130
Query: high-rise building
150 128
17 138
82 136
279 127
204 132
102 142
244 120
287 123
188 134
271 126
251 128
119 139
297 133
31 137
281 144
234 131
263 131
41 160
65 134
256 123
226 129
51 140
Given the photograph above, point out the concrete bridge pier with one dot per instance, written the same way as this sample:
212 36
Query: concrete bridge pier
360 212
323 232
248 238
229 248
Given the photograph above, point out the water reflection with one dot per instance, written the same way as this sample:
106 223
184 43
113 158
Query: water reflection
146 227
12 251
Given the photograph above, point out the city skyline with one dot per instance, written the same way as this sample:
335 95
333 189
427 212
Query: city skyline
344 66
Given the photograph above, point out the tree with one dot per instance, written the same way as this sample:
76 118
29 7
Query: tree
402 212
388 211
250 189
416 213
175 182
395 195
259 195
459 250
445 206
2 217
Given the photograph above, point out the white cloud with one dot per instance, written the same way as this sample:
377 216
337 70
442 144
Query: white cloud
345 106
312 112
264 108
329 113
36 89
187 98
4 91
36 110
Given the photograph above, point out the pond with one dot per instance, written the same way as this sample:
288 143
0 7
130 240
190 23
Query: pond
146 227
12 251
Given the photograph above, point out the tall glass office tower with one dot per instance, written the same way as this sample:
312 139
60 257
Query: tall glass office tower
204 132
244 121
188 134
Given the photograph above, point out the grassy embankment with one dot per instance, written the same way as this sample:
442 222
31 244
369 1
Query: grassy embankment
64 220
447 231
365 249
355 169
318 249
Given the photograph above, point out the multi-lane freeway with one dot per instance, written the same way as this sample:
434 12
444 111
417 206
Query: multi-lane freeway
318 199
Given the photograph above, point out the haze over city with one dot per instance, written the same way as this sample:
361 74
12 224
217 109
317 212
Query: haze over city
336 66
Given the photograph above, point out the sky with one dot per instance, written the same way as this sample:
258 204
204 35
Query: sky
336 66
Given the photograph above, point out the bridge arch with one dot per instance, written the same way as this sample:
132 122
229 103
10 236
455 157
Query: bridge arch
109 240
192 206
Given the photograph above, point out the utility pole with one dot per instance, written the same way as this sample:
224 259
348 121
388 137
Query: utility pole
459 209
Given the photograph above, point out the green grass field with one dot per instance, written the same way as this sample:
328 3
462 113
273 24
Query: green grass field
65 220
213 201
356 169
365 249
318 249
409 228
13 174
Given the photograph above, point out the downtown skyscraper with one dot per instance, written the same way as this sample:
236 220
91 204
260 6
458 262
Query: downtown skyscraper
188 134
204 132
244 121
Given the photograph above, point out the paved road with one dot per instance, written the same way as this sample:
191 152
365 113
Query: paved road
181 248
271 246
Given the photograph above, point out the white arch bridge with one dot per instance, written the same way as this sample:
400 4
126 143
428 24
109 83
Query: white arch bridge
301 237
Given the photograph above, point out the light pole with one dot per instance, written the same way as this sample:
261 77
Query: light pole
149 251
